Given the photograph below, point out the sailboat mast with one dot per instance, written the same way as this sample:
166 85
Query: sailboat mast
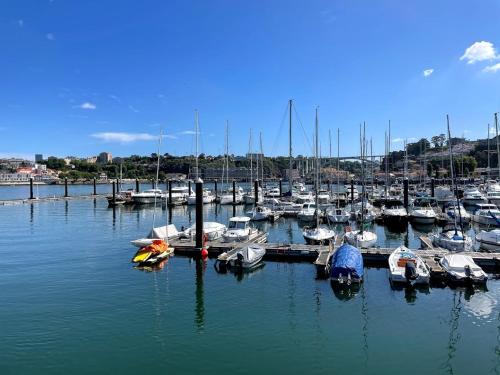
227 152
290 103
498 146
362 144
489 151
157 176
317 171
251 158
338 168
453 175
261 157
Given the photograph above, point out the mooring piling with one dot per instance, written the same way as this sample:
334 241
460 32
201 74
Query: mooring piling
95 186
66 187
199 214
234 192
405 193
137 185
256 191
31 188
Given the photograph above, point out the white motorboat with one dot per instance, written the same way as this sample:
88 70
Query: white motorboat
360 239
472 196
493 197
453 240
323 197
318 236
486 214
492 185
227 197
246 257
239 230
179 195
273 193
338 215
149 196
303 197
489 240
307 213
393 211
462 269
211 229
405 266
207 198
457 212
260 213
422 212
166 232
443 194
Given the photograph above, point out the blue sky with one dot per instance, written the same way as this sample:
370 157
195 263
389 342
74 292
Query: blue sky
80 77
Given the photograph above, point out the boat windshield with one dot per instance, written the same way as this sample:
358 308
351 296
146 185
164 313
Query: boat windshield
237 225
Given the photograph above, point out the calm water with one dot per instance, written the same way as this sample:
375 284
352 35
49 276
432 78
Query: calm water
71 302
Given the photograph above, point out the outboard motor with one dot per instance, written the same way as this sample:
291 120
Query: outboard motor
239 261
410 271
467 271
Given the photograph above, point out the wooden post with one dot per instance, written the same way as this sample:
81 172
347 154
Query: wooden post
95 187
256 191
65 187
31 188
137 185
405 192
199 214
170 192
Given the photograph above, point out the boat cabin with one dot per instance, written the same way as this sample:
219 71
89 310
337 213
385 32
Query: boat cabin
239 222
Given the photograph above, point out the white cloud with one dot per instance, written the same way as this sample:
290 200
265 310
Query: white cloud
133 109
479 51
188 132
492 68
428 72
49 36
88 105
170 136
16 155
397 140
124 137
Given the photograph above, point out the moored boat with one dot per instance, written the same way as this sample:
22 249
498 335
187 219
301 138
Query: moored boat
461 268
247 257
405 266
489 240
346 266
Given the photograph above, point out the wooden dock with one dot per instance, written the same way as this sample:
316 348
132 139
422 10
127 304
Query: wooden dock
11 202
320 255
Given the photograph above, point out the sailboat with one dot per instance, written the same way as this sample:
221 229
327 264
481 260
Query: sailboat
227 196
362 238
338 214
318 235
452 239
154 248
207 194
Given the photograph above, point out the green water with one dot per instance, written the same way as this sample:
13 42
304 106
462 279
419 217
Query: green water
71 302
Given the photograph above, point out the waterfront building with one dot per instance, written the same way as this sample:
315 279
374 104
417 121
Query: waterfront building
38 158
104 158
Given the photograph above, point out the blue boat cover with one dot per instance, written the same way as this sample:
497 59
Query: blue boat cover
347 259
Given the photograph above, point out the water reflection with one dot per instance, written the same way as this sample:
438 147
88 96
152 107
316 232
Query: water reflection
244 274
201 265
454 336
345 292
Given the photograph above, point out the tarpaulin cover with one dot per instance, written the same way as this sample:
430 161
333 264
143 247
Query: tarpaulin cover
347 259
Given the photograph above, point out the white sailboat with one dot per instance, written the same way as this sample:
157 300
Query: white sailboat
318 234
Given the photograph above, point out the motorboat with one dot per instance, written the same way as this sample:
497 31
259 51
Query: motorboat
443 194
246 257
260 213
451 239
367 216
211 229
304 197
249 197
486 214
355 193
363 239
165 232
319 235
273 193
472 196
393 211
422 212
338 215
489 240
492 186
461 268
207 197
179 195
149 196
493 197
308 212
239 230
346 266
323 197
455 211
405 266
228 198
